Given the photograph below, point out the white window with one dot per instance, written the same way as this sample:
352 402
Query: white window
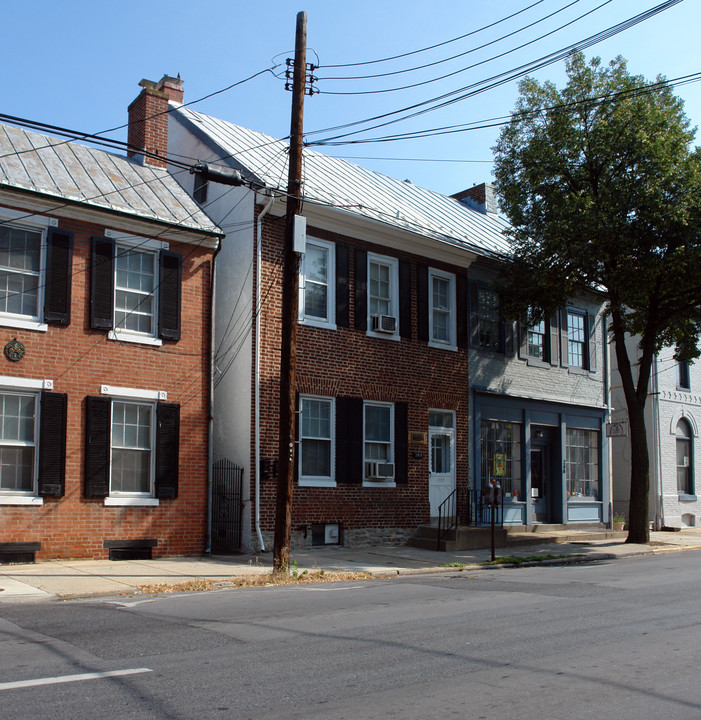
685 482
383 296
316 441
317 284
135 291
576 339
22 269
378 442
536 340
582 464
18 443
489 319
442 315
132 449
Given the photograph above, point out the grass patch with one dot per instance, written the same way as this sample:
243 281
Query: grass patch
453 564
519 560
262 580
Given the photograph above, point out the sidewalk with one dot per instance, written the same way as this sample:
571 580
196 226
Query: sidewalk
67 579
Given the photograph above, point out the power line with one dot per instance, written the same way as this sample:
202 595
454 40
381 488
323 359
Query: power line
467 52
437 45
481 86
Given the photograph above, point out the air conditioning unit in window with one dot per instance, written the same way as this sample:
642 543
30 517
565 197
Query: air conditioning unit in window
379 470
384 324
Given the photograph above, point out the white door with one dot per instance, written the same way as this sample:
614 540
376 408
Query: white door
441 444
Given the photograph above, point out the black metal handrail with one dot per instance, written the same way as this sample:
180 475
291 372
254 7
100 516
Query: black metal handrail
447 516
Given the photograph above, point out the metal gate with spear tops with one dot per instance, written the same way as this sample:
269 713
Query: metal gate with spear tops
227 506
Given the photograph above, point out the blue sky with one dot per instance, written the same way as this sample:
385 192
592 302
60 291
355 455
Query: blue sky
77 64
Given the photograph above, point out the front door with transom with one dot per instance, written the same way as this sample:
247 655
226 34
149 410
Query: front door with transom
441 443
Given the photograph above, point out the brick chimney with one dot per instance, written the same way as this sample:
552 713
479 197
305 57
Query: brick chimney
148 118
482 198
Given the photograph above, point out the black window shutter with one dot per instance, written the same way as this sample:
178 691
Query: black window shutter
361 290
462 311
349 440
564 354
102 284
591 345
401 443
59 266
342 289
474 315
422 302
554 339
52 444
523 341
509 337
405 299
167 449
169 299
97 446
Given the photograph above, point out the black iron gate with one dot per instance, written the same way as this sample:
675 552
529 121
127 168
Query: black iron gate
227 506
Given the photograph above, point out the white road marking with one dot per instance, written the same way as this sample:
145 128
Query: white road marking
70 678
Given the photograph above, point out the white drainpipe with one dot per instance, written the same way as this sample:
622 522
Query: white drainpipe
259 258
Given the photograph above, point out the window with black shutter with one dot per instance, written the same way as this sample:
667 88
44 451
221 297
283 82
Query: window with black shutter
59 262
52 444
102 284
349 440
361 290
401 443
342 286
97 446
167 446
169 295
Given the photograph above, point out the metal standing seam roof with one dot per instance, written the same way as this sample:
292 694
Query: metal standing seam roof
71 172
354 189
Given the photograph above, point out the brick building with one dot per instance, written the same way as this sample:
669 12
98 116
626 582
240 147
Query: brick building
393 379
105 292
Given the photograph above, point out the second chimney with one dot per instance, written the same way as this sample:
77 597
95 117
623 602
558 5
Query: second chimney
148 119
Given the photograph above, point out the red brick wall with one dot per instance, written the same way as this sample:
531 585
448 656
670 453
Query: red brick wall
79 360
345 362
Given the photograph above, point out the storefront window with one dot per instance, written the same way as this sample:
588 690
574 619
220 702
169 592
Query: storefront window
582 466
501 456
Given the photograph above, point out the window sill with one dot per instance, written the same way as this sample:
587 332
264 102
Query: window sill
314 482
15 322
687 497
131 502
583 500
442 346
537 362
379 484
21 500
310 322
383 336
138 339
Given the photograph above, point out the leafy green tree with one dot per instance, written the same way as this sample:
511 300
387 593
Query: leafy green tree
602 186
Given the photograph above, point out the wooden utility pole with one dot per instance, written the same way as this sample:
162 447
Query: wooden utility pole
290 282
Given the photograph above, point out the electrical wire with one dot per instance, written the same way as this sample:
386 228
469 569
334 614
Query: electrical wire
481 86
437 45
463 54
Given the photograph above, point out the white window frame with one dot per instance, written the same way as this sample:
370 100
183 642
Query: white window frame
392 449
330 321
393 265
451 343
145 245
26 386
573 312
38 224
318 480
135 396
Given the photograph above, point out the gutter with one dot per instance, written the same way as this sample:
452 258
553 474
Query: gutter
259 257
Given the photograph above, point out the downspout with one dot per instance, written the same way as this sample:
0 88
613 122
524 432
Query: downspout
607 400
259 258
210 438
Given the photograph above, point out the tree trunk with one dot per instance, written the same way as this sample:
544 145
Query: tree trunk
638 513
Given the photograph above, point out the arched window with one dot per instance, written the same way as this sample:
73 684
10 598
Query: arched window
684 459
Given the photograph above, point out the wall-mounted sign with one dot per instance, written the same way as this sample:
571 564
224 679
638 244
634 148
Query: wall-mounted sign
14 350
617 429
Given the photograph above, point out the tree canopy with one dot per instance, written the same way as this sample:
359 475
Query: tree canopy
602 185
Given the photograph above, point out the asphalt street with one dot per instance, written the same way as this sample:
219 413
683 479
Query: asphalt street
613 639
